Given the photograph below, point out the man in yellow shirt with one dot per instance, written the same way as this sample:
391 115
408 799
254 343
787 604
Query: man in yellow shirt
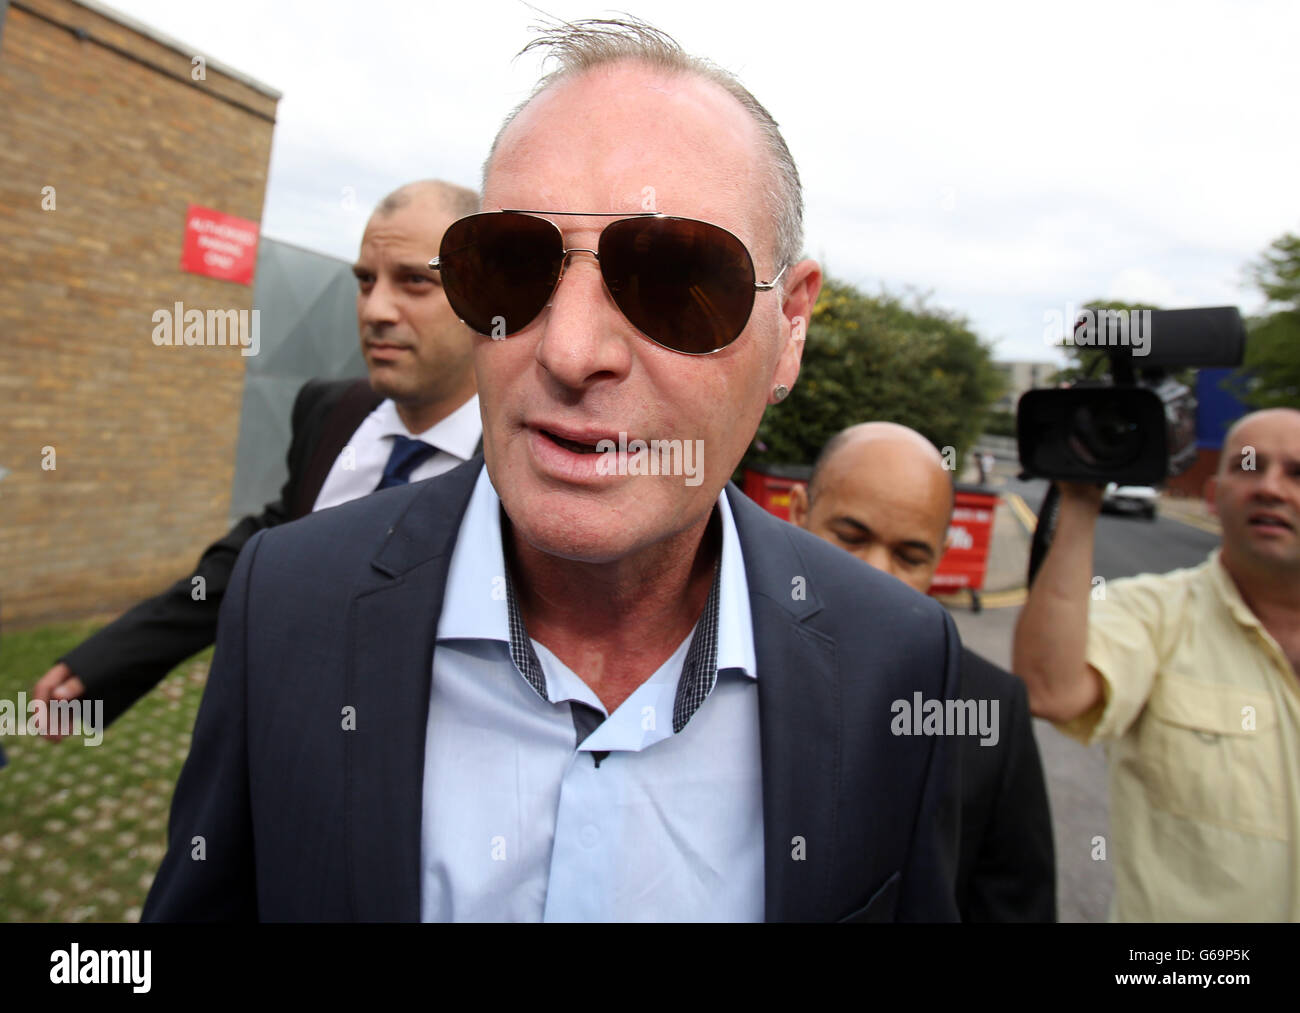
1191 679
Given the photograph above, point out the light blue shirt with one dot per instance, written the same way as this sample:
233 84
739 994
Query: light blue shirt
520 824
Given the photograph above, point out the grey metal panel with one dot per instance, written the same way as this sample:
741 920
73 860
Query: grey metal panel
307 308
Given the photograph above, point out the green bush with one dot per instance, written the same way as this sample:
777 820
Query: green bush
1000 424
873 358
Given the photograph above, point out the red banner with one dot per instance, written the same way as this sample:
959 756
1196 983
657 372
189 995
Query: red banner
219 245
970 537
970 533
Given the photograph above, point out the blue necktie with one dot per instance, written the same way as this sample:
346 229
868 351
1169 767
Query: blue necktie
406 456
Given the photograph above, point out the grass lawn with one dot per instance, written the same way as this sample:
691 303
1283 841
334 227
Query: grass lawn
83 828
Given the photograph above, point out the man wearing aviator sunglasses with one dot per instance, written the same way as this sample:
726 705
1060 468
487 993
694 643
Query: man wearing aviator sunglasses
544 688
684 284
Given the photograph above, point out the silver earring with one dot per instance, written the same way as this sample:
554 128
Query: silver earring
780 391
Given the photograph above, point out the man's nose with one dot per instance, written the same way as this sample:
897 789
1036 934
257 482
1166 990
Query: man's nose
584 335
378 307
1271 485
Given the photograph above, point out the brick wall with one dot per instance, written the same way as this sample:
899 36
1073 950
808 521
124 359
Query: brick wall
144 436
1192 481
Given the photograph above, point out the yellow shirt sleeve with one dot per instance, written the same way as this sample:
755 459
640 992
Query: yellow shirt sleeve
1125 634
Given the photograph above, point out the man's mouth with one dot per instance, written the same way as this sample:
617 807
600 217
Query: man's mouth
573 445
1270 521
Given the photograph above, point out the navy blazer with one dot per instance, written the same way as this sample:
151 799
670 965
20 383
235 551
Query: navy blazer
281 814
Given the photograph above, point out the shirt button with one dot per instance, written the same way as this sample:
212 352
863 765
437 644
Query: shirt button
589 835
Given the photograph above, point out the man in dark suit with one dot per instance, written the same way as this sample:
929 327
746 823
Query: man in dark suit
583 678
420 387
880 491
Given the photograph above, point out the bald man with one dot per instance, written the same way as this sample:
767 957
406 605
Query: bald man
416 416
1190 678
880 491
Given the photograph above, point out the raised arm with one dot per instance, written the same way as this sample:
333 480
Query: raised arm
1052 632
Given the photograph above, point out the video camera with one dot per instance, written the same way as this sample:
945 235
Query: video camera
1138 426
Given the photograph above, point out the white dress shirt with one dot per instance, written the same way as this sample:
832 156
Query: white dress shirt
360 465
520 822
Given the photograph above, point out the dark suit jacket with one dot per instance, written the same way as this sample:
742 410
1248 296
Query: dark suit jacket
303 821
127 658
1006 871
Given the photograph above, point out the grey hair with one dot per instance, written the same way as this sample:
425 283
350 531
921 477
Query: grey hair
579 46
458 200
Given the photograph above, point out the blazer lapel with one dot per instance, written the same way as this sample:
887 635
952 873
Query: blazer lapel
393 625
799 718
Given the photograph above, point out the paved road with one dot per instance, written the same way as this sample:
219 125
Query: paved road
1129 545
1076 777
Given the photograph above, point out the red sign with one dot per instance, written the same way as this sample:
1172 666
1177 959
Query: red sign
771 492
970 533
219 245
970 536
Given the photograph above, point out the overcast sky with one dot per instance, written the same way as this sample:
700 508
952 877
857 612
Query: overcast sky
1006 159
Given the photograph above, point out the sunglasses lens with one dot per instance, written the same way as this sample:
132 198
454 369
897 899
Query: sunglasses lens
500 269
685 284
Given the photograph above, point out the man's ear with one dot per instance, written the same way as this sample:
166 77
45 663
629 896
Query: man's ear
799 506
805 282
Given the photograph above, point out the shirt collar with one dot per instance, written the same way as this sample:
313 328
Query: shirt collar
478 604
1229 593
474 601
735 623
458 434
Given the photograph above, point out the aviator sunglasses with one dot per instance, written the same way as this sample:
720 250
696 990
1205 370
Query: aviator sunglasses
685 284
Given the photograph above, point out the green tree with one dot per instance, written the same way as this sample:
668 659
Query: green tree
877 357
1000 424
1271 369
